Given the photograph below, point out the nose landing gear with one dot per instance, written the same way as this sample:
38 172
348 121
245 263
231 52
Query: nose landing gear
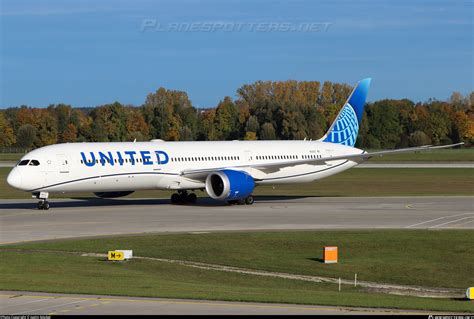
43 204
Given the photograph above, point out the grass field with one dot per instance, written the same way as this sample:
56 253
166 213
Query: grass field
421 257
354 182
443 155
10 157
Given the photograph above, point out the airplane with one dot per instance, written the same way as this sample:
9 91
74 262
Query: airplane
228 171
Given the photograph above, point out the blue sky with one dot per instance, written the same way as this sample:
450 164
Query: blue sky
88 53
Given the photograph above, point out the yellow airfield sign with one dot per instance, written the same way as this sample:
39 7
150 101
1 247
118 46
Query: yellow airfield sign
116 255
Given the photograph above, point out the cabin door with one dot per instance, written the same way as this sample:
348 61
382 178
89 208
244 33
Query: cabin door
63 163
248 157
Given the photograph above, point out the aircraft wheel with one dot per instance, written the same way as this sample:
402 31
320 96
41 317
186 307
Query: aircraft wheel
43 205
191 198
182 198
249 200
175 198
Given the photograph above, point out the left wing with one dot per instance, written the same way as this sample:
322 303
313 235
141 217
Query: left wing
201 174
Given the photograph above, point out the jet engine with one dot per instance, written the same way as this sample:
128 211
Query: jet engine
229 185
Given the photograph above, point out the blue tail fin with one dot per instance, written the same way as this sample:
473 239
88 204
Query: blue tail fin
345 128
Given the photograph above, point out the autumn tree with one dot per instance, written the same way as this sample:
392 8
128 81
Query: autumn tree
26 136
226 121
7 136
267 132
164 112
108 123
135 126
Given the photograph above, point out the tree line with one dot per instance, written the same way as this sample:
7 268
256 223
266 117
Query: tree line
264 110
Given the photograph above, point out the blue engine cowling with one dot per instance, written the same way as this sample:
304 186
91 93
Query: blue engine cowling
229 185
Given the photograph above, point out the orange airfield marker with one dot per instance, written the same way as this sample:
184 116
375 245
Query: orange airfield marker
330 254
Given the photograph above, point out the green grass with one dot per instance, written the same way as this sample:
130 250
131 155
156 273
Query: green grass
11 157
443 155
354 182
427 258
412 257
141 278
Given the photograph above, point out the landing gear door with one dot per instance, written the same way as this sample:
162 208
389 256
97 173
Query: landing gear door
63 163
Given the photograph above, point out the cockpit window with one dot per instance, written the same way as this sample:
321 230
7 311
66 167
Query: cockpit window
34 163
23 162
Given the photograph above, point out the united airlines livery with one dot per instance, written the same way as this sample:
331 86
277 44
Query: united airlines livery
228 170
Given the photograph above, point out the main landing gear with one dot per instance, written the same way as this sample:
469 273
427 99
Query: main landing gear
182 197
249 200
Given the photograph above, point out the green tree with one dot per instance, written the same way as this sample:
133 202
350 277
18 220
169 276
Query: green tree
252 124
250 136
166 111
109 123
226 120
419 138
7 136
438 126
26 136
384 124
267 132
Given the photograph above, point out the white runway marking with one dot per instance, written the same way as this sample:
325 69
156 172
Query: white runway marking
73 218
25 303
450 222
433 220
54 306
102 305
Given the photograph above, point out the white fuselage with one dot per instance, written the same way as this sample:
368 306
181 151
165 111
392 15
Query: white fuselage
129 166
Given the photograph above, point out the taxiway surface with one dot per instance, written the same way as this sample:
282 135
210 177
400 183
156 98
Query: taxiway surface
68 218
24 303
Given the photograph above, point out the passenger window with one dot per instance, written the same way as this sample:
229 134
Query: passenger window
23 162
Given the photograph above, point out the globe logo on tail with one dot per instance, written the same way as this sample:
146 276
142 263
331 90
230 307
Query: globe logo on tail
345 129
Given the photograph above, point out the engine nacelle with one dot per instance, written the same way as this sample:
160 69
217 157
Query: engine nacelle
229 185
112 194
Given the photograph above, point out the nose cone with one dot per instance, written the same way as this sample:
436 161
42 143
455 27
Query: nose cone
14 178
